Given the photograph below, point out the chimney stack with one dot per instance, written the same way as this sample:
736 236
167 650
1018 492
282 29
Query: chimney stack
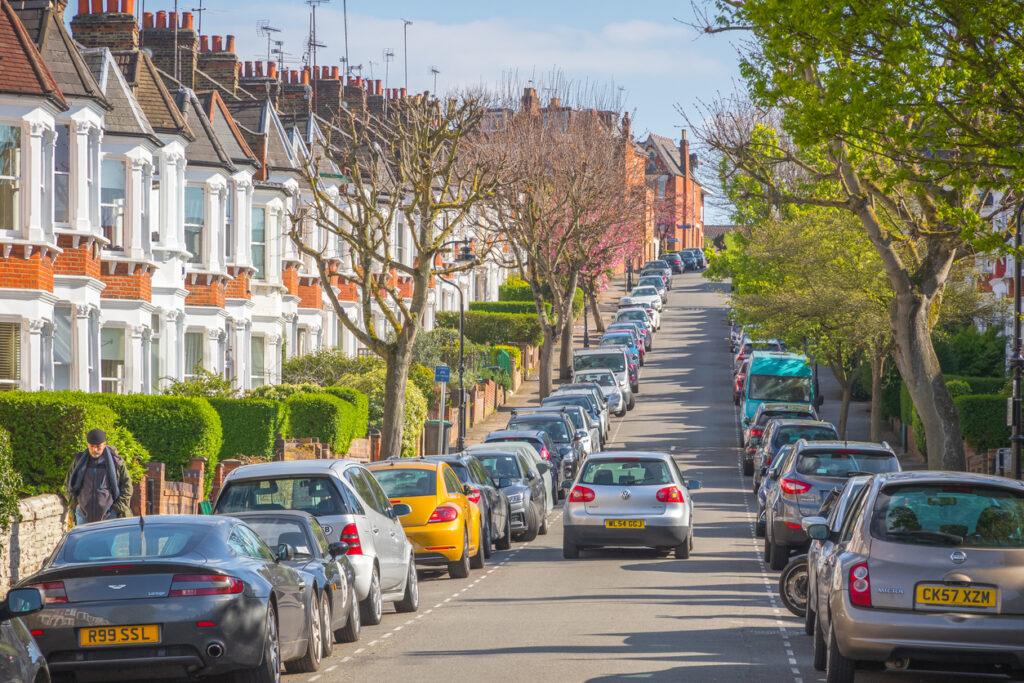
328 93
530 103
113 28
160 41
219 65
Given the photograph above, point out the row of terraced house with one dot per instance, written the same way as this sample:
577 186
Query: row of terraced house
145 203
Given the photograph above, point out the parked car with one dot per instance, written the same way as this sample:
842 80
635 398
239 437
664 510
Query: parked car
444 526
604 379
588 433
815 468
776 376
754 428
206 589
767 483
336 613
661 268
349 504
593 411
536 445
629 498
568 446
651 320
653 313
657 282
636 326
632 313
927 573
636 352
698 256
599 407
493 504
613 360
747 347
777 434
689 260
23 661
521 482
739 382
643 293
674 261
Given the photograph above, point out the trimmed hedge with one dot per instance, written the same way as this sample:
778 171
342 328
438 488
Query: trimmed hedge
496 328
982 385
518 290
173 429
508 306
983 420
372 383
10 484
361 404
249 426
48 428
321 415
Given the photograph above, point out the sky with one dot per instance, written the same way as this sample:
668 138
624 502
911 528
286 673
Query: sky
660 64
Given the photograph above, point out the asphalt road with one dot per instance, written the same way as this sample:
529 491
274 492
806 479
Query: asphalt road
618 614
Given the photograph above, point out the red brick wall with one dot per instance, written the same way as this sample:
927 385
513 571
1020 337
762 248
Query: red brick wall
128 282
35 272
347 290
78 261
202 294
290 280
310 293
238 288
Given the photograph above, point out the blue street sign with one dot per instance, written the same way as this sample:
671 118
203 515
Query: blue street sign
442 373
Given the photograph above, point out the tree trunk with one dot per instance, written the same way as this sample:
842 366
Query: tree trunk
565 351
547 353
877 366
595 309
844 407
398 362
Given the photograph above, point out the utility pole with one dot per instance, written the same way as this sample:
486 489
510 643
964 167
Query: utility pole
177 57
265 29
1017 361
434 70
199 12
344 13
405 41
389 56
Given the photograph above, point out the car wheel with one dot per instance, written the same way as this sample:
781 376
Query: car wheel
809 619
410 601
766 553
778 555
748 467
793 586
477 561
488 541
310 661
683 549
373 605
635 388
269 670
543 530
632 403
755 486
505 542
838 669
326 634
350 632
820 649
460 568
531 525
570 551
759 529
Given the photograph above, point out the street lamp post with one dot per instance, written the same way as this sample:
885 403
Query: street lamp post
629 274
465 256
1017 360
586 325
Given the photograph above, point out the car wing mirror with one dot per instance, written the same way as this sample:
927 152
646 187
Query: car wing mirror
504 482
566 484
401 509
21 602
338 548
581 434
285 552
543 467
816 527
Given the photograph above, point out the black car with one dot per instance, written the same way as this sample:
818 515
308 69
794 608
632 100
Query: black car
309 551
523 485
22 660
562 432
675 262
494 506
690 261
171 596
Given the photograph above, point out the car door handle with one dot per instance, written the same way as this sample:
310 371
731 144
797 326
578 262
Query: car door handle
376 530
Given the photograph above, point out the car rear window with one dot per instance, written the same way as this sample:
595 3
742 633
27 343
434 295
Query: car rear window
405 483
626 472
618 340
843 463
781 415
604 379
500 466
793 433
277 531
616 362
946 515
315 495
555 428
158 540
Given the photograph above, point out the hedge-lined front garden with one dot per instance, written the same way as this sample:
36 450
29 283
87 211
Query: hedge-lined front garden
249 426
496 328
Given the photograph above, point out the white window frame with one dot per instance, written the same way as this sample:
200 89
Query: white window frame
15 228
259 264
10 370
257 374
116 236
58 174
114 381
200 228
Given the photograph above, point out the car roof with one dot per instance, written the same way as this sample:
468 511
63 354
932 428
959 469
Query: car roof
529 433
289 467
847 445
298 514
597 351
802 407
795 421
405 464
147 520
604 455
941 477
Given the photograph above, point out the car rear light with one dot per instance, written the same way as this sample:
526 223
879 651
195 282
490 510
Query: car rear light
189 585
444 513
581 494
756 431
474 495
670 494
860 585
794 486
350 535
36 632
53 592
205 624
793 525
544 453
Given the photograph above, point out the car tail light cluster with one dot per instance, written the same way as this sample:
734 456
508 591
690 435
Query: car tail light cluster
860 585
53 592
670 494
581 494
474 495
188 585
444 513
756 431
794 486
350 535
544 453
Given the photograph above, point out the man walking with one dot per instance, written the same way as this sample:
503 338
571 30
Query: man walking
98 486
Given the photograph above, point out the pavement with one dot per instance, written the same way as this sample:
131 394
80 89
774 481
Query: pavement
616 615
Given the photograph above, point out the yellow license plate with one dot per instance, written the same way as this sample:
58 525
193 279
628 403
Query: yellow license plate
955 596
623 524
119 635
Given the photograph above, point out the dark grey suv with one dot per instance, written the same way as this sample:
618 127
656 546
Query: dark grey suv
815 468
777 434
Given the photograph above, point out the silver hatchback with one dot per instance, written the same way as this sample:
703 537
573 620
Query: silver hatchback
632 499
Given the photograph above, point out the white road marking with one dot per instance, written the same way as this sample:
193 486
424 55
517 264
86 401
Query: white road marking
334 666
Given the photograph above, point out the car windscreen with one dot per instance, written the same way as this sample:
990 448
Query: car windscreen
792 433
574 415
640 316
500 466
277 531
581 401
629 328
402 482
554 427
968 515
625 472
604 379
644 291
844 462
315 495
780 388
132 542
618 340
655 282
616 362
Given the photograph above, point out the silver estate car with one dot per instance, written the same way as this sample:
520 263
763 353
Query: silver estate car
350 506
629 498
929 573
605 381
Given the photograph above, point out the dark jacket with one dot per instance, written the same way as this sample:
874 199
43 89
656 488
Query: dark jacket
119 473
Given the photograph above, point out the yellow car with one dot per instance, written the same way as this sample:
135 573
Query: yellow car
444 526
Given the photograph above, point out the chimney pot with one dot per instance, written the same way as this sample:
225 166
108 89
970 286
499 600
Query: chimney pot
187 21
401 93
258 69
204 43
172 19
305 76
128 6
218 44
230 47
97 6
161 18
248 70
147 20
83 6
112 6
271 70
325 73
334 72
376 87
359 81
293 77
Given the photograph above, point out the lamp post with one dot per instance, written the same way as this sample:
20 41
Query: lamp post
629 274
465 256
586 324
1016 360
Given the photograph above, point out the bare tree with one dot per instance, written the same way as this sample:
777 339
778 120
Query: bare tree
415 178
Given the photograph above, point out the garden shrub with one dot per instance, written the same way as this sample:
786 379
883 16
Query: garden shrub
46 430
326 366
983 420
423 378
323 416
281 392
508 306
372 384
496 328
982 385
966 351
361 405
958 387
249 426
10 485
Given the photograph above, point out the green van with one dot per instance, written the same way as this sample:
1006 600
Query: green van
778 377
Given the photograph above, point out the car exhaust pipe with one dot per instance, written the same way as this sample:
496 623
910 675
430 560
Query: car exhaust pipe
215 650
899 664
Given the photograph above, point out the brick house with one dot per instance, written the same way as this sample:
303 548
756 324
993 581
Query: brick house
678 195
